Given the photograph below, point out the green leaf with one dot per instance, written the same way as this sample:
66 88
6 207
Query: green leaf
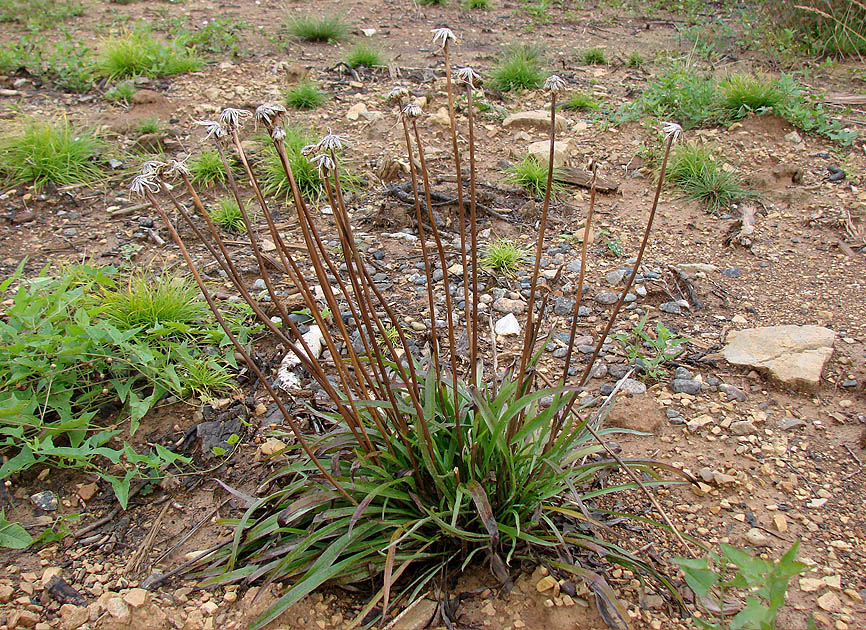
700 578
121 486
755 616
12 535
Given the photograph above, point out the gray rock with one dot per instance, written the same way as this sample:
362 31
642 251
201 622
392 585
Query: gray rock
851 382
743 427
507 305
618 371
259 285
70 231
682 373
606 297
630 297
731 272
45 500
671 307
633 387
560 353
685 386
790 423
508 325
599 370
563 306
583 311
792 355
640 290
614 277
574 266
733 392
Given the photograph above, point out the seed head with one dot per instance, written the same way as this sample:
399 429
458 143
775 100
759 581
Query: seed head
214 129
672 129
267 114
468 75
442 35
153 168
232 117
144 183
397 94
278 133
177 167
324 164
330 142
411 110
554 84
308 149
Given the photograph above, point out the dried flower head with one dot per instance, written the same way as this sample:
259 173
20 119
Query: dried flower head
331 142
177 167
442 35
554 84
267 114
214 129
324 164
141 184
411 110
308 149
278 133
468 75
672 129
153 168
397 94
232 117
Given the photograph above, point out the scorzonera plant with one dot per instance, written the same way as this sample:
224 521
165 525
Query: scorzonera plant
429 460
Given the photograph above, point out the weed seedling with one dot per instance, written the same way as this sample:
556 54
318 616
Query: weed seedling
39 152
651 352
477 4
594 57
635 60
531 175
305 95
325 28
519 70
364 55
504 256
228 216
206 168
120 92
702 176
140 53
581 102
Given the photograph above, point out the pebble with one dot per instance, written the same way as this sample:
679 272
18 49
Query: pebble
606 297
574 266
45 500
259 285
70 231
545 584
682 373
508 325
731 272
672 308
743 427
272 446
633 387
614 277
757 538
830 602
789 423
732 392
507 305
686 386
563 306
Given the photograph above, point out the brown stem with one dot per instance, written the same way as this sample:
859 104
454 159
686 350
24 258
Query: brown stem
473 235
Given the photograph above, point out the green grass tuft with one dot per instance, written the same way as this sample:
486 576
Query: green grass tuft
39 152
635 60
325 28
120 92
581 101
702 176
477 4
744 93
504 256
139 53
594 57
430 3
531 175
519 70
206 168
363 54
151 125
305 95
228 216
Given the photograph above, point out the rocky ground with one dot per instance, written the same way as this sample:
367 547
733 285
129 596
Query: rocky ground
766 408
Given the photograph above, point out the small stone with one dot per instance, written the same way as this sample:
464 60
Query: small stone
272 446
563 306
830 602
673 308
6 593
87 491
686 386
816 503
633 387
693 268
356 110
508 325
417 617
743 427
793 138
70 231
606 297
789 422
507 305
73 617
45 500
545 584
614 277
811 585
732 392
209 608
740 320
117 608
541 152
533 120
757 538
26 619
682 373
731 272
137 597
781 523
441 118
723 480
259 285
854 595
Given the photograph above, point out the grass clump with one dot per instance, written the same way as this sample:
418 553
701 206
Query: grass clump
581 102
828 27
325 28
594 57
477 4
531 175
40 152
305 95
120 92
139 53
635 60
276 183
504 255
206 168
702 176
520 69
228 216
432 3
744 93
218 35
363 54
151 125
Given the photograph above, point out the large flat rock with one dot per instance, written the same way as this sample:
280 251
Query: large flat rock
539 119
792 355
